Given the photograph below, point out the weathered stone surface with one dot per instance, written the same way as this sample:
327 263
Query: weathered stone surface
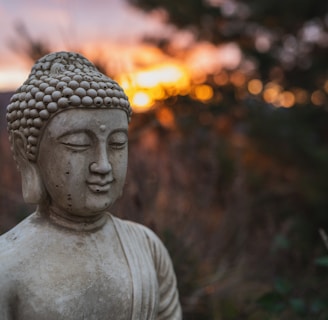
72 259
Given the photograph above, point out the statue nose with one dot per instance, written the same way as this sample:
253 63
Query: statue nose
101 165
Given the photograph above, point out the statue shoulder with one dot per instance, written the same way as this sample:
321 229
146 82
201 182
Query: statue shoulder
15 243
19 231
139 232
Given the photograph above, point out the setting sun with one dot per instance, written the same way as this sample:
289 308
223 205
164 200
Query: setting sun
141 101
145 87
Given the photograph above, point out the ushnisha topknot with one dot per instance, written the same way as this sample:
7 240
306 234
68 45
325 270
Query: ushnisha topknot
60 81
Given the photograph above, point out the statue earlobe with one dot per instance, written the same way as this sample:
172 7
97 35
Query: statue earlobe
32 185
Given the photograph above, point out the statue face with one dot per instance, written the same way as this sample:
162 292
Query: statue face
83 159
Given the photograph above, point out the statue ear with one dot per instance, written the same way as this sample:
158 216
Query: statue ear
32 185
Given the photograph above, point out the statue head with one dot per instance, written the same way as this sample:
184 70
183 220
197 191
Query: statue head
68 130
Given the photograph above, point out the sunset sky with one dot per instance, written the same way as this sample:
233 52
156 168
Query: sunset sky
68 25
111 32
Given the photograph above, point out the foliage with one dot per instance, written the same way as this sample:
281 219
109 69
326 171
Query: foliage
284 302
290 49
273 162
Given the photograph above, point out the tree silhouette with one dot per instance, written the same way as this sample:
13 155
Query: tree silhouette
26 46
272 162
289 36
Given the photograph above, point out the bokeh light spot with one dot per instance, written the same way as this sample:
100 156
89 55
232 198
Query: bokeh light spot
238 79
271 94
221 79
203 92
326 86
301 96
165 117
255 86
287 99
318 98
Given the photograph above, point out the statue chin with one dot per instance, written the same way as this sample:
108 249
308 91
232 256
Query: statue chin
93 208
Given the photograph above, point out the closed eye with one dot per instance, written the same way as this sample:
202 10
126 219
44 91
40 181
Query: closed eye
76 147
118 140
78 141
118 145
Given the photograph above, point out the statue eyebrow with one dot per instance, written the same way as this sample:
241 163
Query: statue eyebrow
119 130
89 132
70 132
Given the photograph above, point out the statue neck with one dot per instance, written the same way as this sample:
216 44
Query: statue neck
77 223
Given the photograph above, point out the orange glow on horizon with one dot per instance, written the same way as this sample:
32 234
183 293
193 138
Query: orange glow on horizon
145 87
11 79
148 75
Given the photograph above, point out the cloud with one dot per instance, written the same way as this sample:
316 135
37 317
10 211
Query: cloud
74 24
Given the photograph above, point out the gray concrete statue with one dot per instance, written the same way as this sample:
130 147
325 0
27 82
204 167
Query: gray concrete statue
71 259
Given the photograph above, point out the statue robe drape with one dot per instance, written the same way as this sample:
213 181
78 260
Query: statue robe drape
155 293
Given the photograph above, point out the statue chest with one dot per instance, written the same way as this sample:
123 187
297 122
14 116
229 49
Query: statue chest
85 279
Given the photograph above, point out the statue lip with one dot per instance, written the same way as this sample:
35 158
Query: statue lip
99 185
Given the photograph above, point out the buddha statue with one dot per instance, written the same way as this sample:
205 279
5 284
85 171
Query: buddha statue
72 259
